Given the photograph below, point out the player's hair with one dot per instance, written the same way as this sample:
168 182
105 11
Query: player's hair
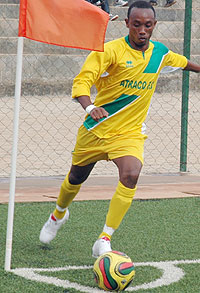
141 4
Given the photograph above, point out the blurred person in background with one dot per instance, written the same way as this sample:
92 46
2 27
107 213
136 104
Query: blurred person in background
104 6
167 4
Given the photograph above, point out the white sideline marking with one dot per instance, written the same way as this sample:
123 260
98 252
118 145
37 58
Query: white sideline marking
171 274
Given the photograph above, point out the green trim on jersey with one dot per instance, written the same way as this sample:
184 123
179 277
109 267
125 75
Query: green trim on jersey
159 51
128 42
112 108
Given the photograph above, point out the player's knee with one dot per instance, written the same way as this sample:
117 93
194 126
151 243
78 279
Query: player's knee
129 179
76 179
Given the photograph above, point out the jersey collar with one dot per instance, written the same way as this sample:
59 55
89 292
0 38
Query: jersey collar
128 42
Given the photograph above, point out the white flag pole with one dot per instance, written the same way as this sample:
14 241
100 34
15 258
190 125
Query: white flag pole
11 204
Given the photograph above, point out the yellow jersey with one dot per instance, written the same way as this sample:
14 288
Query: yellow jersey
125 79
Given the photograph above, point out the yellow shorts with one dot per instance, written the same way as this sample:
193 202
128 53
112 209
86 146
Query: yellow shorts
89 148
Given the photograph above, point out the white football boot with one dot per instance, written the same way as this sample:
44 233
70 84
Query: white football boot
101 246
121 3
51 227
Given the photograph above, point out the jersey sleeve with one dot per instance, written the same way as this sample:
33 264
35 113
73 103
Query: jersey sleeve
175 60
95 65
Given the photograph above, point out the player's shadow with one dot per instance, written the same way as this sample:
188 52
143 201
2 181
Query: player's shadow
45 247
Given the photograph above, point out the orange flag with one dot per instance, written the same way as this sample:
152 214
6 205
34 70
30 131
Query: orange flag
68 23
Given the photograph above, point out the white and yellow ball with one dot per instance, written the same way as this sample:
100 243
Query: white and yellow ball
113 271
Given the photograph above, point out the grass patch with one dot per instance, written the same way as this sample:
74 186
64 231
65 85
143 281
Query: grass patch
153 230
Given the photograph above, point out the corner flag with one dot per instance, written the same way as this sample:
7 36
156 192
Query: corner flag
68 23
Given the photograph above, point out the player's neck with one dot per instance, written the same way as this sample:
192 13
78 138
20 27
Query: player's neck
140 47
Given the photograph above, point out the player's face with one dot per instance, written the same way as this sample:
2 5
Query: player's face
141 23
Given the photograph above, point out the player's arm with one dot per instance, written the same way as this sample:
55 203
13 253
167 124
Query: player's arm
96 63
192 67
95 112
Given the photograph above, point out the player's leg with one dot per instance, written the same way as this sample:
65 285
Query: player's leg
69 189
87 151
129 169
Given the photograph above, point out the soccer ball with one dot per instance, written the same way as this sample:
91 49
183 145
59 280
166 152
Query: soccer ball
113 271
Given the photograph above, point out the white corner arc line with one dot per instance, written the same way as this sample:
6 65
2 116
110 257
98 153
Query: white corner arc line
31 274
171 274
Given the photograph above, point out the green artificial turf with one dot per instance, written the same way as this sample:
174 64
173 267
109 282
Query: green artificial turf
152 231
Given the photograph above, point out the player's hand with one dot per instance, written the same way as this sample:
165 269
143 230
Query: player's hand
98 113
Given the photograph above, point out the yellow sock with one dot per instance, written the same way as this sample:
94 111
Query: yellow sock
67 193
119 205
59 213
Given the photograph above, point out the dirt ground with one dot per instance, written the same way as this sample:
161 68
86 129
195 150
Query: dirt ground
40 189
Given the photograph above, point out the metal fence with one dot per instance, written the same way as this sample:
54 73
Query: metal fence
49 119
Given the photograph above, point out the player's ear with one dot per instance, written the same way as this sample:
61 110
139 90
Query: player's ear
126 21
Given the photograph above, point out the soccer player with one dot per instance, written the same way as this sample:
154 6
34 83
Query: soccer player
125 75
